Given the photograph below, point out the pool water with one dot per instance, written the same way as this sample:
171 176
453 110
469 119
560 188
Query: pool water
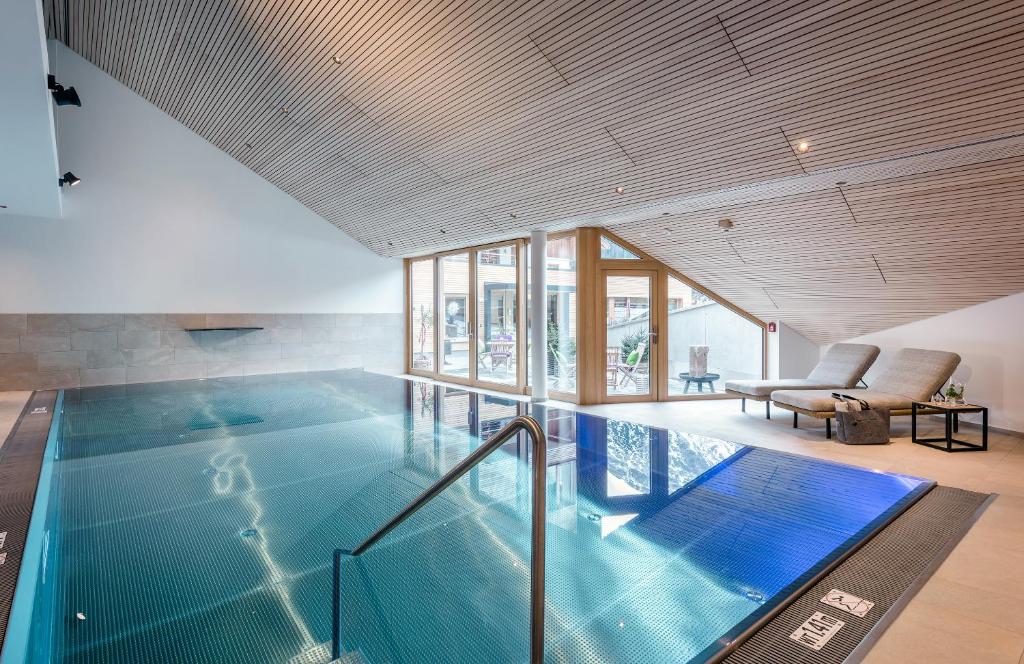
198 522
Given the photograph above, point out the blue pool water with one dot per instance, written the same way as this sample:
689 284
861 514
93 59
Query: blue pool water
197 522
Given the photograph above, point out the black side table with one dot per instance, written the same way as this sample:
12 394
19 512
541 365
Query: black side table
952 413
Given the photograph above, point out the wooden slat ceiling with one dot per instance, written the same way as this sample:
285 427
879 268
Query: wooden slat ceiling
424 125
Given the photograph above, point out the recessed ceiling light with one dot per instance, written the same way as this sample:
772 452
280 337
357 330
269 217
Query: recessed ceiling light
620 190
803 146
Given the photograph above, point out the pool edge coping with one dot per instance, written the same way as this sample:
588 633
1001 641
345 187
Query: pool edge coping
19 620
739 637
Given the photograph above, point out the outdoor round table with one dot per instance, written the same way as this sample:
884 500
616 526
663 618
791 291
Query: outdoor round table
708 378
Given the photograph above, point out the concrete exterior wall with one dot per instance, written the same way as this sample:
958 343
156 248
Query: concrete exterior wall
735 343
46 351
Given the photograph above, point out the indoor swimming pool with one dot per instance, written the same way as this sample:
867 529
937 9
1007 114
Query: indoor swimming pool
198 521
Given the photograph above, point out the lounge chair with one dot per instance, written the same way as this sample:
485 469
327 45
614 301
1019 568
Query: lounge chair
842 366
912 375
635 372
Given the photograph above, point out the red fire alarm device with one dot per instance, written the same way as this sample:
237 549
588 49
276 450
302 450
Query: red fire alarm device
771 326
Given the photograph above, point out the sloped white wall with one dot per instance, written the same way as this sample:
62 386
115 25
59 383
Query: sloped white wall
990 340
165 222
790 354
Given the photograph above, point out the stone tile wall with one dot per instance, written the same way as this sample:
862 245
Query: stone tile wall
46 351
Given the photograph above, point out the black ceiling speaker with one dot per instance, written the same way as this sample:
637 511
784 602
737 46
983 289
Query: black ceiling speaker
63 97
68 179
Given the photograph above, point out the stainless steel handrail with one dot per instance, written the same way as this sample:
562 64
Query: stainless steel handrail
537 517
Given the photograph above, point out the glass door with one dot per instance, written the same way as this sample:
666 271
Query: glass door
455 330
630 334
497 312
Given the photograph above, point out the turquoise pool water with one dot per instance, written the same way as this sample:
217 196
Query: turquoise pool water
197 522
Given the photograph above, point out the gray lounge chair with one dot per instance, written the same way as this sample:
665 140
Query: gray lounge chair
912 375
842 366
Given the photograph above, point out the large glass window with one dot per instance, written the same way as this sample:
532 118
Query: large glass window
628 334
615 251
497 313
562 302
454 302
421 329
707 342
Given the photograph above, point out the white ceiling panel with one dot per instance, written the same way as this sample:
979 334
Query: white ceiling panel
420 125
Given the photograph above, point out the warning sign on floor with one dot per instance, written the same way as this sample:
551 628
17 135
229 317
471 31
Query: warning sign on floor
848 602
817 630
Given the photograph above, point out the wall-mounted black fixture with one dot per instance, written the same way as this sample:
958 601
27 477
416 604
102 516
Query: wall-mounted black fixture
68 179
63 97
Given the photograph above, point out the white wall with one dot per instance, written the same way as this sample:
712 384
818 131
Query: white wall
165 222
988 337
28 153
790 354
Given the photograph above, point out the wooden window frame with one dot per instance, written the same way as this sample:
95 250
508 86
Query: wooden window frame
590 324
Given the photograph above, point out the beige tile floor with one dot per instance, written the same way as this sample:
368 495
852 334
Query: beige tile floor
970 611
11 404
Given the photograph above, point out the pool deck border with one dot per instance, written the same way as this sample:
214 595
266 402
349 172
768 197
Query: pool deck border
23 464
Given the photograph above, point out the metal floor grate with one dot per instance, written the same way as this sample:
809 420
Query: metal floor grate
888 570
20 460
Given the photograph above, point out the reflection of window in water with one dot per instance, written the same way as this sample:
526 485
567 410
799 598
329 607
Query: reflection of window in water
423 411
498 477
629 459
561 502
690 455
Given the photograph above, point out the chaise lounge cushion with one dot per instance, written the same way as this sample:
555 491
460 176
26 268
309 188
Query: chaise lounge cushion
916 373
764 388
913 375
820 401
841 366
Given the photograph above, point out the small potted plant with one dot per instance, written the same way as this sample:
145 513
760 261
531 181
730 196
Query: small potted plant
955 393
